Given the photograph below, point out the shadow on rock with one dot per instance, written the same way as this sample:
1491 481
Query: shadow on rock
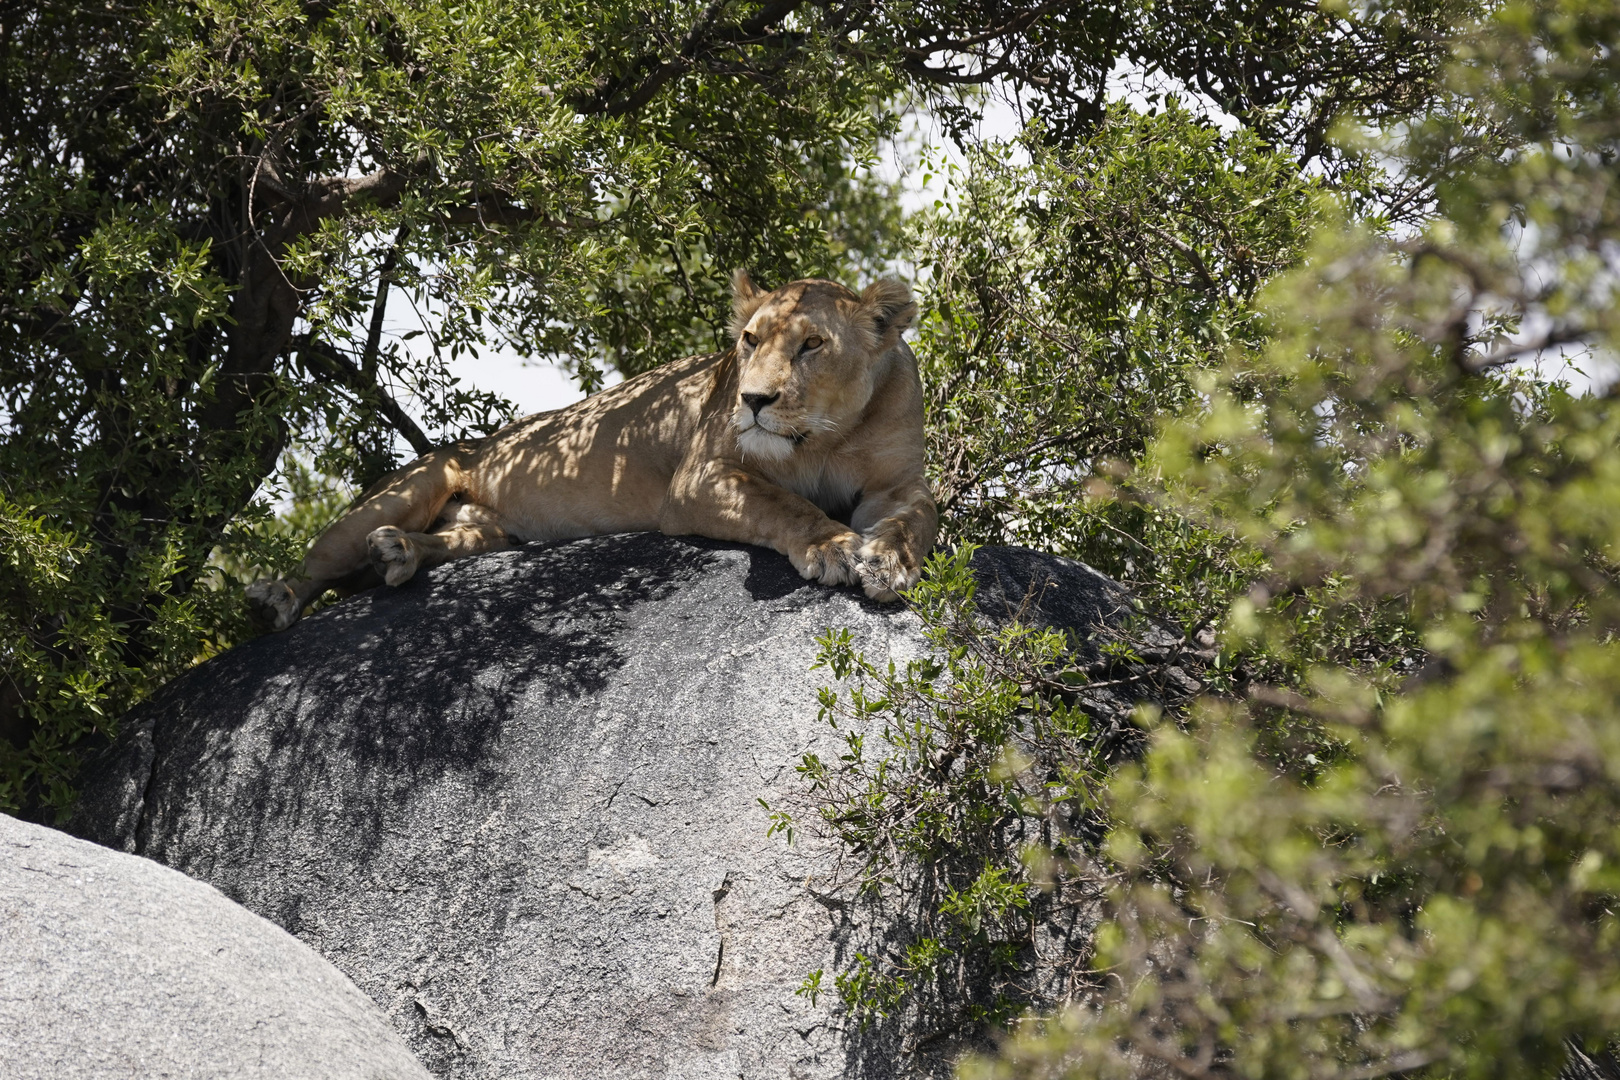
523 802
395 686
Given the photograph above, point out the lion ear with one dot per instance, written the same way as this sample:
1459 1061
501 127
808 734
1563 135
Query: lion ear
745 300
888 303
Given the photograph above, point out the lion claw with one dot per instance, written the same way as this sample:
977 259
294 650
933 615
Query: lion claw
886 570
832 562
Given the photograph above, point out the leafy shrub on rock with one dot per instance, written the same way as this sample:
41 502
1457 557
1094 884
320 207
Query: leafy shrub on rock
1388 845
1431 889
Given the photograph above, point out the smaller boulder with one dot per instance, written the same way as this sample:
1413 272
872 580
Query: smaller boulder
112 966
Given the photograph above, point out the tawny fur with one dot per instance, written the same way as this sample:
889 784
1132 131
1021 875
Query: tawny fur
828 471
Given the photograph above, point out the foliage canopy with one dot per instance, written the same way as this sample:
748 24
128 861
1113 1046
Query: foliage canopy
1260 374
216 210
1438 893
1387 847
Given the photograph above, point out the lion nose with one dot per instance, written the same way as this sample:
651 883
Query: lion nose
759 401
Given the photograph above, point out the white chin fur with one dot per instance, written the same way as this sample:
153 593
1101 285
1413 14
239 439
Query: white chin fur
756 442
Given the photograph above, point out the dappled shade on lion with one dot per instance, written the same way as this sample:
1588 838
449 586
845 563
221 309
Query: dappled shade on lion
805 436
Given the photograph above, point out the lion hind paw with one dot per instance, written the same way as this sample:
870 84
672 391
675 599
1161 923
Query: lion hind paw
392 553
272 605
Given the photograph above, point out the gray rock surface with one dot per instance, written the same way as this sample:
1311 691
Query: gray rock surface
517 801
116 968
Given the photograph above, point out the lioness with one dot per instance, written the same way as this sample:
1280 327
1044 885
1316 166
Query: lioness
805 436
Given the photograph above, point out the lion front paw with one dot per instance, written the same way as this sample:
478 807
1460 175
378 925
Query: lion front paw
272 605
831 562
886 568
393 554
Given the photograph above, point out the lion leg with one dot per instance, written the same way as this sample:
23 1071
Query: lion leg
398 555
276 605
407 500
725 502
898 528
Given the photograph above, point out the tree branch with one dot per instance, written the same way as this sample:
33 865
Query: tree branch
329 195
631 91
379 307
1195 260
327 361
1508 352
499 213
949 77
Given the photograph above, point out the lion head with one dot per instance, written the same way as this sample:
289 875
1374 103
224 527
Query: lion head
808 357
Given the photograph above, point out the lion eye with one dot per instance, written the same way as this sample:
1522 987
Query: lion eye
812 342
750 338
